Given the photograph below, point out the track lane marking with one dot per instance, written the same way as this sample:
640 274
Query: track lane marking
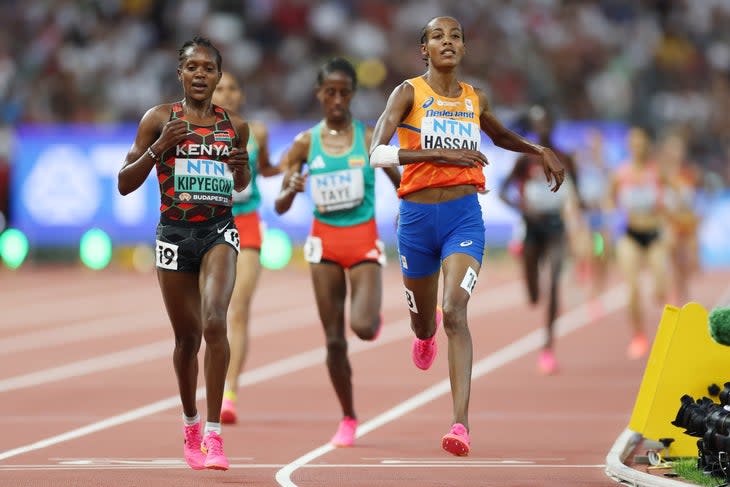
577 318
499 298
268 324
272 466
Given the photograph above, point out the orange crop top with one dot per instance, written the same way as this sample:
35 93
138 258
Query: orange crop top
439 122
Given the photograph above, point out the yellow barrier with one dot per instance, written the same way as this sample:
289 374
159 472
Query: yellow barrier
684 359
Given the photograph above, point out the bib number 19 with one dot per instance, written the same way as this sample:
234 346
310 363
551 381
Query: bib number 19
166 255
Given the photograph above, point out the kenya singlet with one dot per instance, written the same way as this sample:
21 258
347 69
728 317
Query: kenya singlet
342 187
439 122
195 182
249 199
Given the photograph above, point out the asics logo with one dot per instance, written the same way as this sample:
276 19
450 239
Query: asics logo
221 230
466 243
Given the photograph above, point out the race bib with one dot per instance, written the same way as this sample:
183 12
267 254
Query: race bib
539 198
382 259
231 236
313 250
639 199
203 181
337 190
447 133
593 188
166 255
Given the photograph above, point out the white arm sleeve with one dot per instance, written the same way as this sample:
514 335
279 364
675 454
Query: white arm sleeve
385 156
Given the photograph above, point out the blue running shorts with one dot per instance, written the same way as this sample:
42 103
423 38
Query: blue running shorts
430 232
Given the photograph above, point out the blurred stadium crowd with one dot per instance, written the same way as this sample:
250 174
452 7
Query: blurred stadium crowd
659 63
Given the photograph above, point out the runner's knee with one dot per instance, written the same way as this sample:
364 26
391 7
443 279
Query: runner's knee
188 343
239 313
214 325
336 344
364 326
454 318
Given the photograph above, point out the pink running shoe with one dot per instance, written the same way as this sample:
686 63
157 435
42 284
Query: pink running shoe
456 441
228 412
638 347
423 352
345 435
191 447
212 446
546 362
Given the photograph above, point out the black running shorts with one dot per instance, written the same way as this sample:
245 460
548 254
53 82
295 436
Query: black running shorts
180 246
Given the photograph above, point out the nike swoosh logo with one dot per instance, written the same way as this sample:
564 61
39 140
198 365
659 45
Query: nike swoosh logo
220 230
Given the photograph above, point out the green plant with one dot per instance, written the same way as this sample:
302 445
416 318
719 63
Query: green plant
687 469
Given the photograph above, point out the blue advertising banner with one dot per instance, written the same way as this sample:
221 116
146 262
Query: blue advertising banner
64 177
64 181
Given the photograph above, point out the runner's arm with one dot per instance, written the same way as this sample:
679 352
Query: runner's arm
292 164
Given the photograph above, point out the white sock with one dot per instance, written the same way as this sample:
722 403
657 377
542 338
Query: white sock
191 421
212 427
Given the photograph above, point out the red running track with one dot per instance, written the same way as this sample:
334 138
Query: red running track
88 395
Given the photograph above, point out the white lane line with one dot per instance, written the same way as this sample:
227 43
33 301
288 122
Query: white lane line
272 466
268 324
79 368
460 459
577 318
459 462
133 461
502 297
81 331
255 376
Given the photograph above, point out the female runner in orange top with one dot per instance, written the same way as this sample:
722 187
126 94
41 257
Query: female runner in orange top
439 120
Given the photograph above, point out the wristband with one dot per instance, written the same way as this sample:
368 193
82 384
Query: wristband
385 156
152 155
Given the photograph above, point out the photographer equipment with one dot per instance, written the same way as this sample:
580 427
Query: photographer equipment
709 421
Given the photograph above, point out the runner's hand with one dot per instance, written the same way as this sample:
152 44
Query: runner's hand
238 163
173 133
297 183
237 160
554 170
462 157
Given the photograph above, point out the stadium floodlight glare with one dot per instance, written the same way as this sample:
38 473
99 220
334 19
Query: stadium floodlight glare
13 247
95 249
276 249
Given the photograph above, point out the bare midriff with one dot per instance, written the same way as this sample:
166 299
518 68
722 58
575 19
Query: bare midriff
439 195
